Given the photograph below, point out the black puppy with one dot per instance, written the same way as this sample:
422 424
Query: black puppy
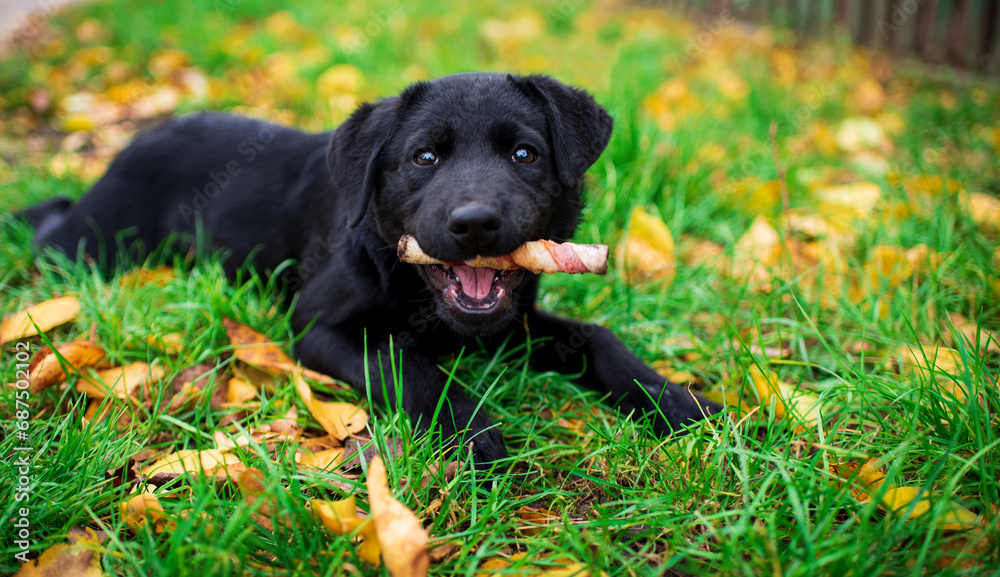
470 164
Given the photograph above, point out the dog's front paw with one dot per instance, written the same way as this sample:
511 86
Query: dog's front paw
677 407
460 433
487 447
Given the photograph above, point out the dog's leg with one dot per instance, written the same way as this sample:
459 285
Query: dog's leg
332 351
606 366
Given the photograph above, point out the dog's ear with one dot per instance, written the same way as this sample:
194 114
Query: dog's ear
579 127
354 152
355 149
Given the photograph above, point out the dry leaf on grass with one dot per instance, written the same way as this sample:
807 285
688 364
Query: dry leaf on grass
251 484
79 558
940 365
795 405
159 276
342 517
502 567
402 537
323 460
193 461
146 507
868 480
256 349
122 382
46 315
47 369
239 393
974 333
729 399
842 204
984 209
339 419
534 520
338 516
100 409
646 252
226 442
170 343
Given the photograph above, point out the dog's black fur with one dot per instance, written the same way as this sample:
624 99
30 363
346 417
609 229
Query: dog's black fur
469 164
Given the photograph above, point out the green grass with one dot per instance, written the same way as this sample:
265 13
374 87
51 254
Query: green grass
745 497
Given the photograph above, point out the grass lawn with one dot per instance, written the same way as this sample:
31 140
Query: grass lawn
836 229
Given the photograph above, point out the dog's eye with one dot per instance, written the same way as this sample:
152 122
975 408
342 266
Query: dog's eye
425 158
524 156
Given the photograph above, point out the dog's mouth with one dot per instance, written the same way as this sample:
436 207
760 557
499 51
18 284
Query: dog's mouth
472 289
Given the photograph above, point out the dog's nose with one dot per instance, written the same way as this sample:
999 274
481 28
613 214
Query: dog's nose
475 225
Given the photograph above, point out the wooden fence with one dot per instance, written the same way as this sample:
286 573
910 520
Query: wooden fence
963 33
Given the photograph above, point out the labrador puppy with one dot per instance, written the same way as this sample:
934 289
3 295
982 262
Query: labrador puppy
469 164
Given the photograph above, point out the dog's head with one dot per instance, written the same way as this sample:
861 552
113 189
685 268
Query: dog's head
471 164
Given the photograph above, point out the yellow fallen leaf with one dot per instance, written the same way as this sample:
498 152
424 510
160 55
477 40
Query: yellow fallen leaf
251 484
534 520
800 407
167 61
225 442
529 24
80 558
983 208
867 479
46 315
842 204
403 539
340 79
759 243
122 382
939 364
729 399
855 134
868 97
142 507
192 461
989 340
549 567
751 195
340 516
158 276
323 460
902 500
339 419
731 85
48 368
756 253
171 343
887 264
255 349
282 25
647 250
239 392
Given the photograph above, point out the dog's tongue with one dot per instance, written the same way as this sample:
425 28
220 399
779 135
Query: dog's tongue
476 282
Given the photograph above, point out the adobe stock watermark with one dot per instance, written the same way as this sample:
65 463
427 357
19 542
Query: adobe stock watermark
706 37
901 14
564 11
249 148
310 263
378 23
226 6
35 22
21 467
